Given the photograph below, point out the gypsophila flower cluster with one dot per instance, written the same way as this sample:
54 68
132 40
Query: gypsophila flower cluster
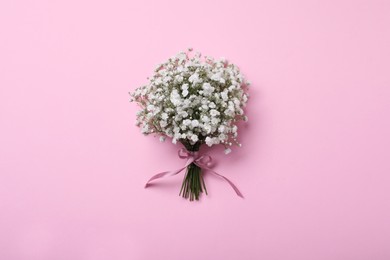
193 99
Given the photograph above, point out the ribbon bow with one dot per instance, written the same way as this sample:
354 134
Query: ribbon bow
203 161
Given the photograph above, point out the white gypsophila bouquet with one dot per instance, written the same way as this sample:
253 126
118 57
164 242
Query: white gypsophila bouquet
194 101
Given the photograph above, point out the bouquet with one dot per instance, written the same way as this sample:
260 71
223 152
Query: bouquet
195 101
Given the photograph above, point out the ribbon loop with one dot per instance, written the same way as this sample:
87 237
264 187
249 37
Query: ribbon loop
203 161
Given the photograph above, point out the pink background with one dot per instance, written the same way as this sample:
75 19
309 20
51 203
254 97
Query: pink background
314 166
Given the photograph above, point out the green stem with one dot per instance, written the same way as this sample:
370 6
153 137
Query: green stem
193 182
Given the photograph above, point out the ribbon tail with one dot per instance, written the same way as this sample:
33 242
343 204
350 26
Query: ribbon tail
226 179
171 173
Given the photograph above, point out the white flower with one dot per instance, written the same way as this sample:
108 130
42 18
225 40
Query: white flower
221 128
179 78
222 137
209 141
150 107
227 150
187 122
163 123
205 119
162 138
229 112
214 112
215 121
175 98
145 129
183 114
184 86
218 77
224 96
164 116
207 128
212 105
166 79
194 78
232 87
195 123
181 56
207 89
194 138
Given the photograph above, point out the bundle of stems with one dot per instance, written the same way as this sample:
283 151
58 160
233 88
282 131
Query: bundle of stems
193 182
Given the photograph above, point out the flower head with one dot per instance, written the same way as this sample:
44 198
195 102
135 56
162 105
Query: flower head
193 99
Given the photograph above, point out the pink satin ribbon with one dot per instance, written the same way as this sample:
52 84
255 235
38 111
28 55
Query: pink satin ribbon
203 161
